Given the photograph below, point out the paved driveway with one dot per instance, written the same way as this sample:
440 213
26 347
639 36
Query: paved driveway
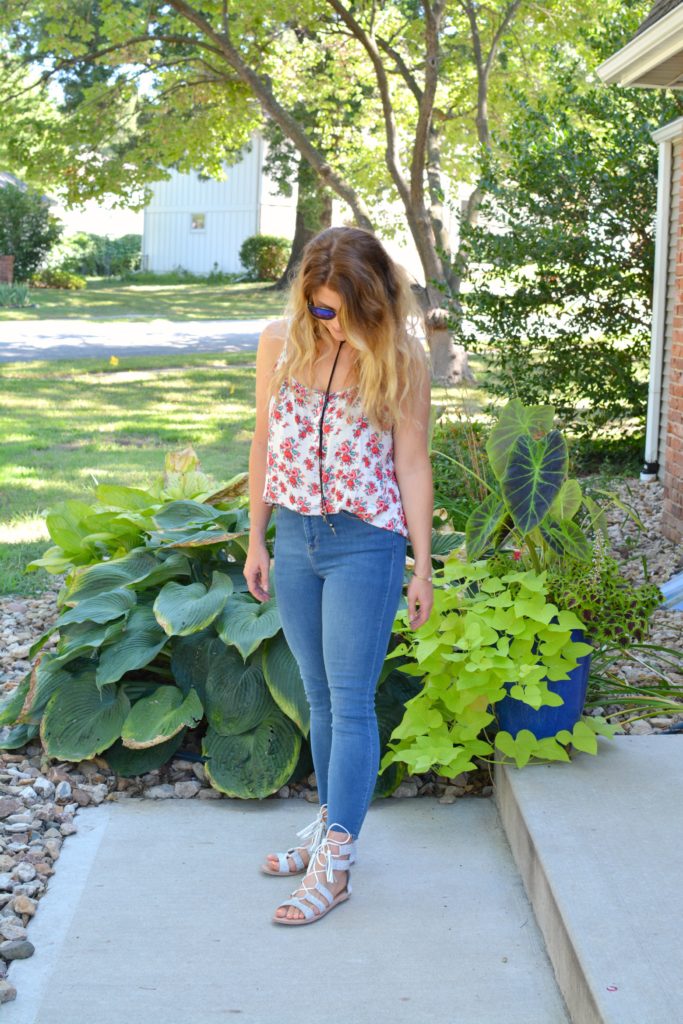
72 339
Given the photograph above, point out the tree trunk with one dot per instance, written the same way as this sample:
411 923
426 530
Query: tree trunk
313 214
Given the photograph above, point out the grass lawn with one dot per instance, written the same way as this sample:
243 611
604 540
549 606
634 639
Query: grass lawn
102 300
66 425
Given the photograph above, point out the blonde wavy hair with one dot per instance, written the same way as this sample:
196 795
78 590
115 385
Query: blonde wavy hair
376 308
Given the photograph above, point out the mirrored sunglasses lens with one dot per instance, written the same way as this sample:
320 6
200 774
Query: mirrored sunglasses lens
321 312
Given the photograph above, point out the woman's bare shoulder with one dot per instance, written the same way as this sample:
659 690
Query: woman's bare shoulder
272 340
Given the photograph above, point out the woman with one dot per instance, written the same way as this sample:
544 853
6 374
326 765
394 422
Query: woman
340 449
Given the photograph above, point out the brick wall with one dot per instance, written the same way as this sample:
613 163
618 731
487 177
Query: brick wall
672 512
6 269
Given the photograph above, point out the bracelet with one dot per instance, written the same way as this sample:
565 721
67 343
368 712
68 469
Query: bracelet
428 579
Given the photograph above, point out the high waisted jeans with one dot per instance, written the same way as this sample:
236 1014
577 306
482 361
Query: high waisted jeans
338 594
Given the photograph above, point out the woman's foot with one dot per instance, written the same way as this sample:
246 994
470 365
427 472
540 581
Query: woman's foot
336 845
315 831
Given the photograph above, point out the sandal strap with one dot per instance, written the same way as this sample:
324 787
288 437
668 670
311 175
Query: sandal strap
306 911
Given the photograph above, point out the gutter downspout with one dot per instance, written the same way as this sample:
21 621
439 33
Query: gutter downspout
661 274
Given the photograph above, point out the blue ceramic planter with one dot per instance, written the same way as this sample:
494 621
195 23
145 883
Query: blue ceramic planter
513 714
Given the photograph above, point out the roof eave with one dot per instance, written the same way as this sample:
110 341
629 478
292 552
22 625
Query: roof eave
632 64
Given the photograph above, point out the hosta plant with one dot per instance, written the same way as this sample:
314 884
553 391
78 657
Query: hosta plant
158 636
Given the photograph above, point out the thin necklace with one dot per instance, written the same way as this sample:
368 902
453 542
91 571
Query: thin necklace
320 438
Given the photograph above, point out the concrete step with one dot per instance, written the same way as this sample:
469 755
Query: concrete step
158 914
599 845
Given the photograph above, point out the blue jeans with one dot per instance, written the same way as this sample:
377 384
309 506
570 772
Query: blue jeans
338 594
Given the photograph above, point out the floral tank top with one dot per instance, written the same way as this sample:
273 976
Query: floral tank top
358 461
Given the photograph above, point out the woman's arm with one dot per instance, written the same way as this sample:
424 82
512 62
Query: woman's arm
256 567
414 476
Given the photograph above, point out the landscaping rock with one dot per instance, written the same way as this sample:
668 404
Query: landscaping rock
17 949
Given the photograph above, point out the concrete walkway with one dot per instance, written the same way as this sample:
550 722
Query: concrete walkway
71 339
157 914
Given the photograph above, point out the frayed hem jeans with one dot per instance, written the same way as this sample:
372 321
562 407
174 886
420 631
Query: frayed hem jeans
338 594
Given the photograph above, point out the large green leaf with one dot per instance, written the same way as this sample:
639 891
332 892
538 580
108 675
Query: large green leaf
136 647
284 681
236 696
126 762
253 764
11 705
533 477
245 622
184 513
118 496
153 720
117 572
83 719
190 660
483 525
566 538
17 736
567 501
181 610
65 524
444 543
101 608
514 421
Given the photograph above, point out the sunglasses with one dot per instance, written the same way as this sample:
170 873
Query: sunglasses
321 312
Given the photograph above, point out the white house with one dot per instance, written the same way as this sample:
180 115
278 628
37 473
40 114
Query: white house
199 223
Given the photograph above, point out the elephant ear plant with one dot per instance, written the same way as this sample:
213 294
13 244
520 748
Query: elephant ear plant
159 636
510 612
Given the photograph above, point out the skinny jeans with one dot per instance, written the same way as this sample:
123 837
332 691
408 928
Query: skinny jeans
338 594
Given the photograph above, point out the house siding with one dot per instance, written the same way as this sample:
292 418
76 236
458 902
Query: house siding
234 209
671 423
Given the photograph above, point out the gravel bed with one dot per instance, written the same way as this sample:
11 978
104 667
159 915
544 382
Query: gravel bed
40 797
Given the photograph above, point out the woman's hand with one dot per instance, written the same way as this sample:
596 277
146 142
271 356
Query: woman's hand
420 601
256 570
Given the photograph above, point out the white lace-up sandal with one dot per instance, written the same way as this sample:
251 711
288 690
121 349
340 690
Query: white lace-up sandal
314 832
331 861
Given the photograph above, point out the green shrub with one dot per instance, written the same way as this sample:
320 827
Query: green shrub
27 230
96 255
264 257
53 278
14 296
159 636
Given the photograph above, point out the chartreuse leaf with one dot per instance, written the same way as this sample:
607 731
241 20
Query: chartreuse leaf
183 609
245 622
64 523
158 717
533 477
584 738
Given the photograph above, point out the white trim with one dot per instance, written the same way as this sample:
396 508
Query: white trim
650 48
661 274
259 185
668 131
